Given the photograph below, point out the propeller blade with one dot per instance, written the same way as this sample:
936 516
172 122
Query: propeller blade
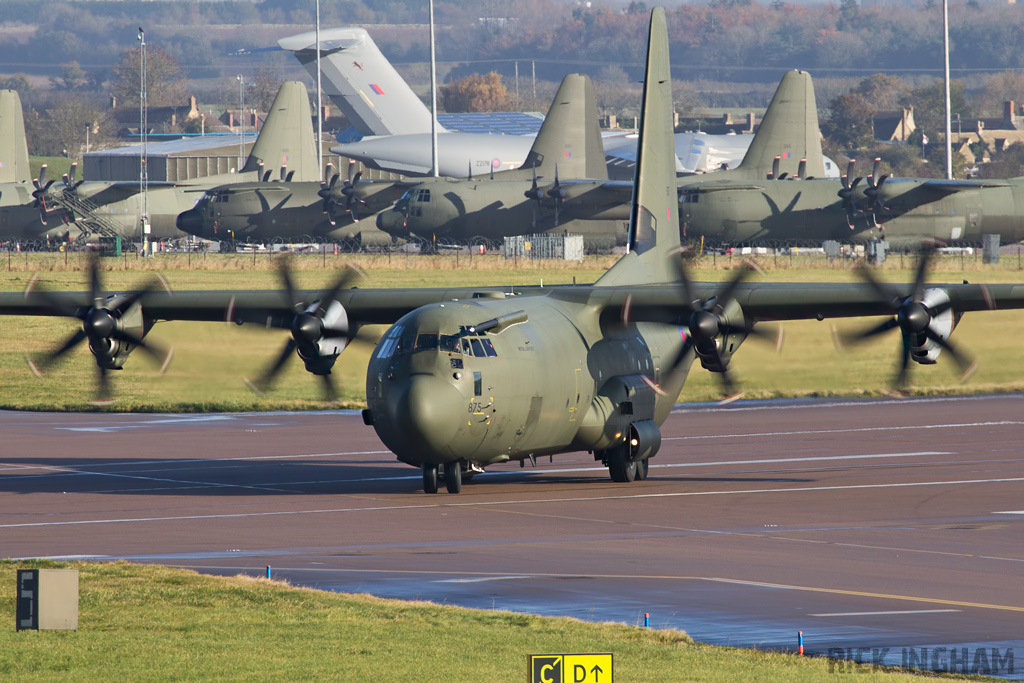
268 377
348 276
967 365
874 331
44 363
801 171
104 395
156 352
330 392
775 168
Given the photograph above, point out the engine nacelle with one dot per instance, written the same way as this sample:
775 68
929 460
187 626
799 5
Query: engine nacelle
319 356
727 344
922 349
113 353
622 401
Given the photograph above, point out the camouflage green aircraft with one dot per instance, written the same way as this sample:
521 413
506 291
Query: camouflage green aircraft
569 143
558 191
468 377
903 211
286 137
531 198
23 209
293 210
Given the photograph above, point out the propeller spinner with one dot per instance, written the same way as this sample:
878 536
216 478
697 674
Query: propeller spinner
102 326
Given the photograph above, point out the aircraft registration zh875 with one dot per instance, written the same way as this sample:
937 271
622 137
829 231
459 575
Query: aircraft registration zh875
466 378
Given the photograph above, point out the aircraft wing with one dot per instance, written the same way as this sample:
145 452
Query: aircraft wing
651 303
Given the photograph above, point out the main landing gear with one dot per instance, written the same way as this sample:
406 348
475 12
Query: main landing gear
452 473
621 468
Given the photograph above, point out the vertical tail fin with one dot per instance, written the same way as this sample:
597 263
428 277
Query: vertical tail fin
14 166
789 130
286 138
653 224
361 82
570 136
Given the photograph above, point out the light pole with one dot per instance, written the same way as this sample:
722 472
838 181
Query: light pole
241 121
144 132
319 103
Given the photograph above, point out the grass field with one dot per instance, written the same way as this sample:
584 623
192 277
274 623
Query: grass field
151 623
211 359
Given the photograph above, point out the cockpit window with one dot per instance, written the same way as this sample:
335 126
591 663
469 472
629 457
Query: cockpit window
388 342
426 342
399 342
421 196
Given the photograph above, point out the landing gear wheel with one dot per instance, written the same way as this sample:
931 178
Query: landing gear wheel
429 478
642 467
453 476
621 469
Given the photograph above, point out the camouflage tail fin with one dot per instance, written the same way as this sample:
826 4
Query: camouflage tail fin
14 166
286 138
653 224
570 136
789 131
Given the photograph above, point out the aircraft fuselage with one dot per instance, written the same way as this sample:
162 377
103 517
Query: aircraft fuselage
811 211
546 380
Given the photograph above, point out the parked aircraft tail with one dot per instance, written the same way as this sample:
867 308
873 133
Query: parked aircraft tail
653 223
286 138
570 137
789 130
361 82
14 166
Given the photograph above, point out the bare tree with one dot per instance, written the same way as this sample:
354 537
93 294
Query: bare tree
165 78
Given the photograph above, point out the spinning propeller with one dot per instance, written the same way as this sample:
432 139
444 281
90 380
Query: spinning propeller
913 316
102 326
703 322
307 326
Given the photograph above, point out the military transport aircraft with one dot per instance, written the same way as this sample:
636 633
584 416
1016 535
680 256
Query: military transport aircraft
517 202
293 210
550 190
396 124
286 140
569 142
469 377
903 211
23 209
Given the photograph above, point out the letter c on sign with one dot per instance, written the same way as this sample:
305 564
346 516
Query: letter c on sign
544 670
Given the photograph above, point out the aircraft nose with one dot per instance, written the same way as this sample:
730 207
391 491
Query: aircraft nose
190 221
427 412
392 222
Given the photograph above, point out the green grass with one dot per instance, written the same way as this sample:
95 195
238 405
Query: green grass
151 623
211 359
